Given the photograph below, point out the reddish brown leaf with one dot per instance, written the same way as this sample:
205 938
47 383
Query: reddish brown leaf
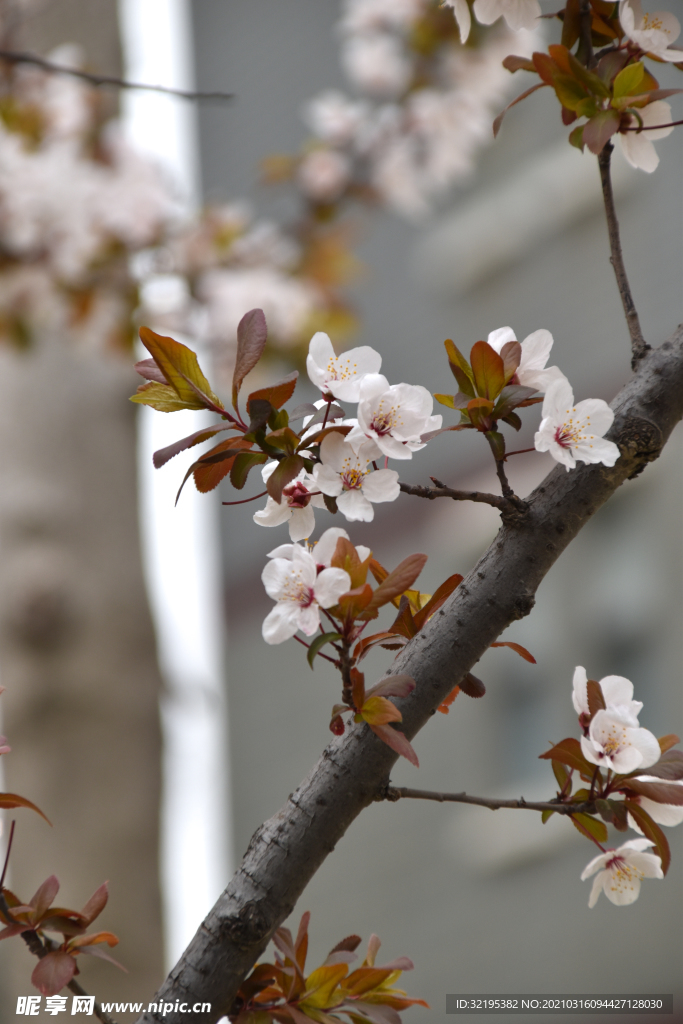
96 903
522 651
276 394
404 623
660 792
669 766
652 831
667 742
148 369
44 897
569 753
439 596
161 457
596 699
472 686
53 972
286 471
402 577
600 129
252 335
392 686
10 800
445 706
514 63
397 741
179 366
368 642
534 88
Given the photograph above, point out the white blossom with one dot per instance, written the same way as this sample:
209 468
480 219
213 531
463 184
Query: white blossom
300 592
572 432
621 871
348 476
615 689
323 550
653 33
299 497
334 118
370 15
517 13
377 63
394 417
463 17
637 146
324 174
532 371
616 741
340 376
663 814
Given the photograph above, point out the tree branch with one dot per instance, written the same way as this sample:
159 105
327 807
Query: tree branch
394 793
441 491
15 57
638 344
286 851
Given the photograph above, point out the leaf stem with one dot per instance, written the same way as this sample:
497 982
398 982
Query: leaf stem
639 346
244 501
320 653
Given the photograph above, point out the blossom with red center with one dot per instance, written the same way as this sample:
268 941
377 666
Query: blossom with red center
653 33
663 814
348 477
622 872
570 432
615 690
298 500
300 592
616 741
394 417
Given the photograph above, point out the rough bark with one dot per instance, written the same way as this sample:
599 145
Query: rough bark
286 850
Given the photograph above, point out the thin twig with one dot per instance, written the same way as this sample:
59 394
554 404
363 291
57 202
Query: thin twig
320 653
15 57
394 793
586 43
504 485
650 127
639 346
441 491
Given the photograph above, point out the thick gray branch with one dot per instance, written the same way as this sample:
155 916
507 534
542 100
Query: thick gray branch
286 851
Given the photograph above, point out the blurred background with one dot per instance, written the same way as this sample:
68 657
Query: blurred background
351 185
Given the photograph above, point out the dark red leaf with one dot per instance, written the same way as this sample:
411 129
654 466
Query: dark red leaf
276 394
569 753
285 472
397 741
488 370
53 972
522 651
652 831
472 686
252 335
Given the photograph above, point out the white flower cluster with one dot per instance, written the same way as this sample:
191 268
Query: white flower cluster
408 138
614 740
390 423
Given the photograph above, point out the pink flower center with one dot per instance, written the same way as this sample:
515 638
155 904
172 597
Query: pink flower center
352 479
567 436
382 423
296 495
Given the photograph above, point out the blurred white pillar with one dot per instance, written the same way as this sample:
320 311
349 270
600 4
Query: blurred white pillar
181 544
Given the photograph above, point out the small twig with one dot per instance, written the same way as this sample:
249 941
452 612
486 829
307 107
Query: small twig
9 850
586 43
394 793
441 491
650 127
639 346
14 57
320 653
504 485
244 501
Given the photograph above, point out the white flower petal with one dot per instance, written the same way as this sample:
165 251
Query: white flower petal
301 523
500 337
324 549
580 693
328 480
281 623
330 585
274 514
355 506
382 485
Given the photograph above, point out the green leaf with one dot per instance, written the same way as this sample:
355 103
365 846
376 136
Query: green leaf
562 776
163 398
318 643
488 370
242 466
285 472
252 335
569 92
179 365
593 83
588 825
576 138
545 815
652 831
628 81
497 443
479 411
446 400
460 368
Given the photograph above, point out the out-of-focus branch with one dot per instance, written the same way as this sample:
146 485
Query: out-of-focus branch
639 346
14 57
